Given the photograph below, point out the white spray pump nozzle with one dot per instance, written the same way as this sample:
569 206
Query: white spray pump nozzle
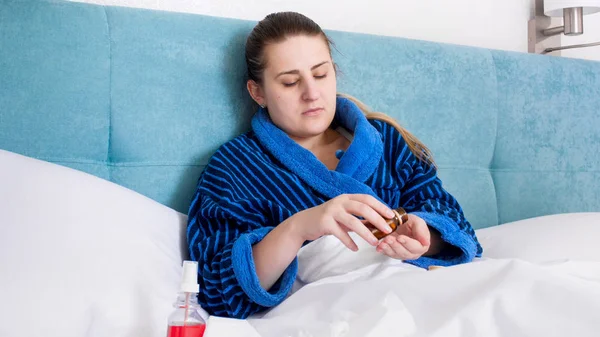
189 280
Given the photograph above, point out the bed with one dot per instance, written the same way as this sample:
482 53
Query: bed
108 116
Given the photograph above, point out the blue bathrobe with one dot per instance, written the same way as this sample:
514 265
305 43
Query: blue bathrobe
257 180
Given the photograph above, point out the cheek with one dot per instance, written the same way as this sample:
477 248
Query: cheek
276 95
330 90
285 101
331 85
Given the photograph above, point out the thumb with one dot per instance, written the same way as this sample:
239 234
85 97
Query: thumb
421 231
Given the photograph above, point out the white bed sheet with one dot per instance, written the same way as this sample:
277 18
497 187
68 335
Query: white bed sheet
383 297
485 298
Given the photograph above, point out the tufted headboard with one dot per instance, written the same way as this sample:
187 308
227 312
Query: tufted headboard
143 98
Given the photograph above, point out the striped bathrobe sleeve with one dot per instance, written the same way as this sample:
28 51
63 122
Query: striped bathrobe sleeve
424 196
222 227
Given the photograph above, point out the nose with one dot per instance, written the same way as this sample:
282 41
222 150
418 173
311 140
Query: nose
311 90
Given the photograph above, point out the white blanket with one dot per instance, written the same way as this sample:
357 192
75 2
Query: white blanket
376 296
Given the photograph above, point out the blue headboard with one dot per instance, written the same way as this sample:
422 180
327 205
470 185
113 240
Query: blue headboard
143 98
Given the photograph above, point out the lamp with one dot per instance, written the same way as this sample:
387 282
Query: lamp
572 12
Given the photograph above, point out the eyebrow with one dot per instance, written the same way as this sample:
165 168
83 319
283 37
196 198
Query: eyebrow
295 72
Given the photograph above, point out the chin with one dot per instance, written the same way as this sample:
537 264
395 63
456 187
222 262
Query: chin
311 127
314 132
309 131
315 128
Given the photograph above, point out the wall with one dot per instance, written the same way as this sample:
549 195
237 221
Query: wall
497 24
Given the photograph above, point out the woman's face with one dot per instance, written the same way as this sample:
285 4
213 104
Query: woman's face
299 86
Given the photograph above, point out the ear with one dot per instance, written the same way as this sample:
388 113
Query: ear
256 92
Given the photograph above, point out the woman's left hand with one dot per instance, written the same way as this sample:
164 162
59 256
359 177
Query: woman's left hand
410 241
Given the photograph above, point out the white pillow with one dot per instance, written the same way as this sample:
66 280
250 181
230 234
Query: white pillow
569 236
81 256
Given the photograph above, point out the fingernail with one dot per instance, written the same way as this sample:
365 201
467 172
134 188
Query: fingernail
390 213
402 240
388 229
374 241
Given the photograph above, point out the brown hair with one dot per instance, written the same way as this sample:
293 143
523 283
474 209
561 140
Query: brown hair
275 28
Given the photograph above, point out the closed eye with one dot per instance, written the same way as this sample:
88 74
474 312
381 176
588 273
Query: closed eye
290 84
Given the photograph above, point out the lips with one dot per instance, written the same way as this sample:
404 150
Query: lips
312 112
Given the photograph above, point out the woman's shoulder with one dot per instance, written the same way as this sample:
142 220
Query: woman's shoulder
389 133
235 159
405 146
245 143
234 151
379 124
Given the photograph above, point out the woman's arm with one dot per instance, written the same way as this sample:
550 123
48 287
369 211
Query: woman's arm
335 217
453 239
222 243
274 253
245 266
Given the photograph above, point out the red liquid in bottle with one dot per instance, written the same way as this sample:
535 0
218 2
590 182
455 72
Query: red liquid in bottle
186 331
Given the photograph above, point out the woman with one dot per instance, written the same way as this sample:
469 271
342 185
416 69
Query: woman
312 165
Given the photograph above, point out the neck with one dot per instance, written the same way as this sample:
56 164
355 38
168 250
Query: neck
324 146
314 143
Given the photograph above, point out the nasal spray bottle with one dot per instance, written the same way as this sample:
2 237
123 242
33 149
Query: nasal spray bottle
186 320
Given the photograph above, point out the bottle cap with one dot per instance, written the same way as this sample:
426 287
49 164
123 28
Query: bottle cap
189 280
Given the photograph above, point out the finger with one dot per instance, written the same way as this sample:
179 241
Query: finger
421 232
387 250
342 235
375 204
363 210
411 245
390 239
351 222
401 252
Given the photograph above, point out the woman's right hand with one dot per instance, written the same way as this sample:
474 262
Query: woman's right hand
338 216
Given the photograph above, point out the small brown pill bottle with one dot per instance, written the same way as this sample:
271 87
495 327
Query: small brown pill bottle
400 217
